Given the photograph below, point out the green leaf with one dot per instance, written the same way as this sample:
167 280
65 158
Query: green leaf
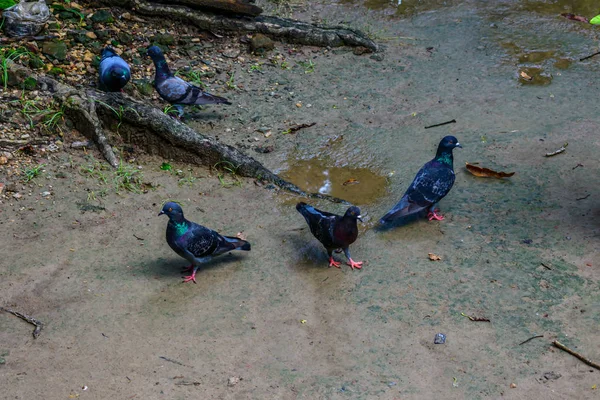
4 4
595 20
166 166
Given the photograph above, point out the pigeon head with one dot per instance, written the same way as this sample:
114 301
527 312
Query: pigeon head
121 75
108 52
353 212
449 142
173 211
155 53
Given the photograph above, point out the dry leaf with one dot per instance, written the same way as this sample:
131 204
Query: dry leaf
486 172
525 76
350 181
434 257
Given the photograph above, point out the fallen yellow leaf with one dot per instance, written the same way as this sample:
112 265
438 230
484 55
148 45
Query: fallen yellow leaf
525 76
434 257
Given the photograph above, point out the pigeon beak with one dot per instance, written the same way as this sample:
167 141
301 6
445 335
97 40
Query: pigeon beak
359 218
458 145
161 213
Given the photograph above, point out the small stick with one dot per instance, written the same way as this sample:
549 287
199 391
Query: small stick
576 354
476 319
531 338
295 128
582 198
563 148
590 56
545 266
137 237
38 324
173 361
441 124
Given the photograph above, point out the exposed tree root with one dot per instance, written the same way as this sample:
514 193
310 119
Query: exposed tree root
152 130
275 27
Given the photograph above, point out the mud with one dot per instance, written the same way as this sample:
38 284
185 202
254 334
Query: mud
279 320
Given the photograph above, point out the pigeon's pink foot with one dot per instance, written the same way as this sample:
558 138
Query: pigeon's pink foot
190 268
353 264
434 215
333 263
192 278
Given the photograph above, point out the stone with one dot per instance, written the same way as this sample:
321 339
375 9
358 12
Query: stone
56 50
166 39
261 43
102 16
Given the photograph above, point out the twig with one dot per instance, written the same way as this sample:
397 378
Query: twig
38 324
441 124
576 354
582 198
545 266
531 338
137 237
173 361
476 319
563 148
590 56
44 37
186 383
295 128
577 166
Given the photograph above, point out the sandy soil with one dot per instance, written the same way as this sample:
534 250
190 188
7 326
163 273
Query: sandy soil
120 322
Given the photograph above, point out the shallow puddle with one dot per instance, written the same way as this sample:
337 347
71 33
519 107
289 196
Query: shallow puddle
588 8
356 185
534 76
404 7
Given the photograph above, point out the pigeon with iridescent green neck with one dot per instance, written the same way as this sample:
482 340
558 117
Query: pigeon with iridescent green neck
113 72
194 242
431 184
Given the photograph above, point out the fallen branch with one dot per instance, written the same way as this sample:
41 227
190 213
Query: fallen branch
582 198
173 361
38 324
590 56
563 148
288 29
441 124
476 319
531 338
153 130
296 128
545 266
576 354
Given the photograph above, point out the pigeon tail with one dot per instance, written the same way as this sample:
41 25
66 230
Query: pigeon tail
207 98
238 243
403 209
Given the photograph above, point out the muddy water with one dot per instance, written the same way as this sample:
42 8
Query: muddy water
357 185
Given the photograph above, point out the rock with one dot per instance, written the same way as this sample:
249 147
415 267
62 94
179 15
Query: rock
231 53
165 39
124 38
234 380
261 43
377 57
55 50
35 62
3 160
360 50
264 149
102 16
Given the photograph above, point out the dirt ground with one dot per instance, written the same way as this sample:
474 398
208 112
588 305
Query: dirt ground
276 323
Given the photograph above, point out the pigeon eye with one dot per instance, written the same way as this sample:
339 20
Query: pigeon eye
170 209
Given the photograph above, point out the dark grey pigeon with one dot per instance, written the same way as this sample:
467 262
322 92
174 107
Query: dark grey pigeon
114 72
174 89
431 184
333 231
194 242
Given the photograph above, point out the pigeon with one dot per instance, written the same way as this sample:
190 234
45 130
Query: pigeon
174 89
333 231
114 72
194 242
431 184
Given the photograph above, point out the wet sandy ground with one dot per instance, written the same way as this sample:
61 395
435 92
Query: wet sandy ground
113 304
